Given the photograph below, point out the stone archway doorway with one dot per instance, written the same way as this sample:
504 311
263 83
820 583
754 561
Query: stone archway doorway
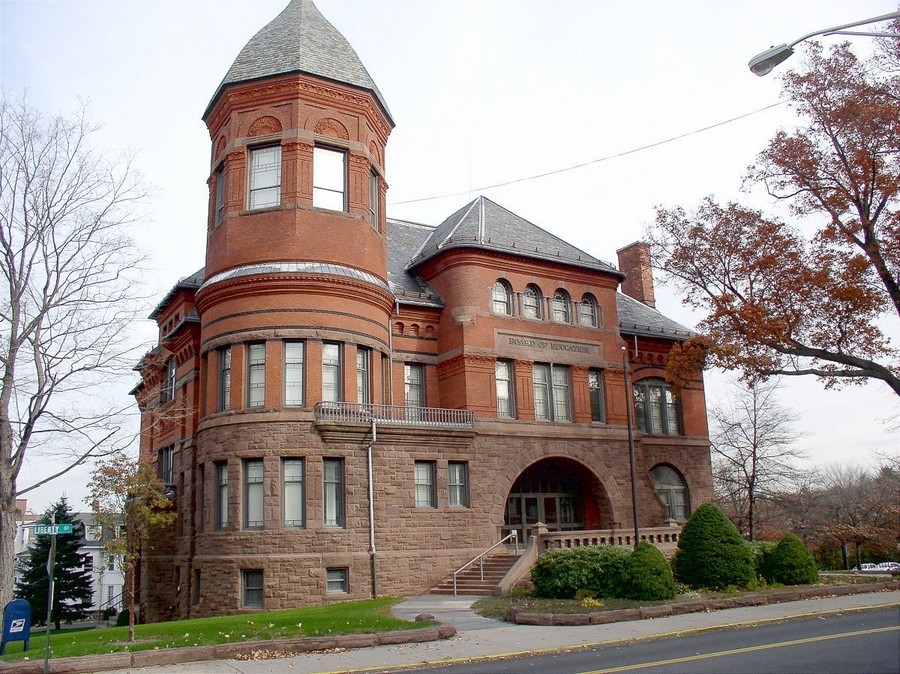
561 493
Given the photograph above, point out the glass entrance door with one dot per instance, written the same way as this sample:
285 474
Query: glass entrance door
559 511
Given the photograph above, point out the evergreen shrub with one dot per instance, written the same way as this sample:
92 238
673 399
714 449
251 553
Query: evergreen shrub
648 575
790 563
711 552
761 551
597 569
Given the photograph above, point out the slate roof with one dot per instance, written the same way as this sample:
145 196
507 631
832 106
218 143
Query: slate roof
300 39
486 225
636 318
192 282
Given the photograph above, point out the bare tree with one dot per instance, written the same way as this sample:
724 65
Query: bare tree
753 449
69 272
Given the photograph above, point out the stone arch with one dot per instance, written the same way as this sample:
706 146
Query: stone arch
329 126
264 126
562 492
220 147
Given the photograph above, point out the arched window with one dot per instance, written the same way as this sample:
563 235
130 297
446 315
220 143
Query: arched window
531 302
672 490
560 306
168 388
656 407
587 311
501 298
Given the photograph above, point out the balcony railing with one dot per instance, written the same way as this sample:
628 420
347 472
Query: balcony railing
395 415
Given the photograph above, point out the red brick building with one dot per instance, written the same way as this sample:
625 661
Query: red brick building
347 405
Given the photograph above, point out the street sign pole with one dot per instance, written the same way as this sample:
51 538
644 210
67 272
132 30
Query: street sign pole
51 560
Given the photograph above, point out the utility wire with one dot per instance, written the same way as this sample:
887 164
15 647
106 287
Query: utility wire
588 163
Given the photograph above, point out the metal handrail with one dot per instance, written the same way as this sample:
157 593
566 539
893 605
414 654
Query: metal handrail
480 558
394 414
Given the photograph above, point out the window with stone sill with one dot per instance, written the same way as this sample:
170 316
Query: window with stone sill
672 490
552 396
426 494
329 178
501 298
337 580
656 407
532 301
587 312
264 177
253 493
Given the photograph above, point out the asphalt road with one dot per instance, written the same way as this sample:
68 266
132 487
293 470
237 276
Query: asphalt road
855 642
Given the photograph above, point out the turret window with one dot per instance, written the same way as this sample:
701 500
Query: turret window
265 177
330 179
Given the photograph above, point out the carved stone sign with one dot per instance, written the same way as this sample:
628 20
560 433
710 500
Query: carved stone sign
550 349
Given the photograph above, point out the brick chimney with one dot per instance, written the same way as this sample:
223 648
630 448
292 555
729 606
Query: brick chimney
634 262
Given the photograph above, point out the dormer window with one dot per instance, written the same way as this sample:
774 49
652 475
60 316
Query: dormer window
265 177
330 179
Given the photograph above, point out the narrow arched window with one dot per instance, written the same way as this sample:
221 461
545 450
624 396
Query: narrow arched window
560 306
587 311
672 490
501 298
656 407
531 302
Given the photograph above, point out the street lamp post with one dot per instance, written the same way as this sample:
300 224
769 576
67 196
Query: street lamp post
763 63
634 497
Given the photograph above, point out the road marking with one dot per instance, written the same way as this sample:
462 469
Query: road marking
737 651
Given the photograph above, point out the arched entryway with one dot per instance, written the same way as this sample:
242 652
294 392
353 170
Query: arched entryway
561 493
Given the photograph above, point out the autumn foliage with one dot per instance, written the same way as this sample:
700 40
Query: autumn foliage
780 298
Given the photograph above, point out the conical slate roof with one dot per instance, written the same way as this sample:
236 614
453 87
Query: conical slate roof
300 39
487 225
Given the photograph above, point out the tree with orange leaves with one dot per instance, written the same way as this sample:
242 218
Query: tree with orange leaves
780 302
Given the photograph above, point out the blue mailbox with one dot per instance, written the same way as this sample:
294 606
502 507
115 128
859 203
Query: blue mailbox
16 623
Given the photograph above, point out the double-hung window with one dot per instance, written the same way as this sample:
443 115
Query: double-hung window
531 303
363 376
503 373
373 200
552 400
595 389
501 298
337 580
253 494
265 177
332 375
166 467
256 381
221 494
293 501
168 388
656 407
458 484
587 312
220 195
294 355
333 479
414 382
329 179
426 496
560 306
224 378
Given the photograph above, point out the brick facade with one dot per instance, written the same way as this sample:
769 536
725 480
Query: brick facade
300 279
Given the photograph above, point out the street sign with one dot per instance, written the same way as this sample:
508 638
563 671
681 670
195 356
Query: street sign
53 529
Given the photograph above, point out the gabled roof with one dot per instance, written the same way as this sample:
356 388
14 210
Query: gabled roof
636 318
486 225
300 40
192 282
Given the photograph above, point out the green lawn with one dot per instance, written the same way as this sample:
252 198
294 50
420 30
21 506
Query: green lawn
356 617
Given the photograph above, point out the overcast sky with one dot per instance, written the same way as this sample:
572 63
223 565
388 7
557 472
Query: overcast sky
482 92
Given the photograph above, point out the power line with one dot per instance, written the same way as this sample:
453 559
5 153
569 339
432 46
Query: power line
588 163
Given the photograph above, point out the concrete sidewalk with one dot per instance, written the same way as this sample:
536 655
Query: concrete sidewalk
485 638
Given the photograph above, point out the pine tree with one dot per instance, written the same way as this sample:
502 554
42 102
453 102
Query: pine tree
72 587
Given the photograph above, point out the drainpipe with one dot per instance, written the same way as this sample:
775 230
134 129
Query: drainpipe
372 566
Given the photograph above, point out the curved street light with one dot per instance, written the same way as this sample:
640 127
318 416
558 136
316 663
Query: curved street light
763 63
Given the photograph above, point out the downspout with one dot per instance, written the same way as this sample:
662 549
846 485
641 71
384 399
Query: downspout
372 566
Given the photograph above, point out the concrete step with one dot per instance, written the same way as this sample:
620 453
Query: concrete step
470 581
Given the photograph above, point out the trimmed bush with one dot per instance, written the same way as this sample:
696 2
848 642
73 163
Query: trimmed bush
597 569
711 552
648 575
790 563
761 551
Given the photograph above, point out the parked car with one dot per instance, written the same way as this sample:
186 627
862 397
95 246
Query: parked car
866 567
892 567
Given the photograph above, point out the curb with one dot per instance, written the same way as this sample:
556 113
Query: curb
87 664
520 617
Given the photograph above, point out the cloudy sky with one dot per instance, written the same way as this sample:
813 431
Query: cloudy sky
652 100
